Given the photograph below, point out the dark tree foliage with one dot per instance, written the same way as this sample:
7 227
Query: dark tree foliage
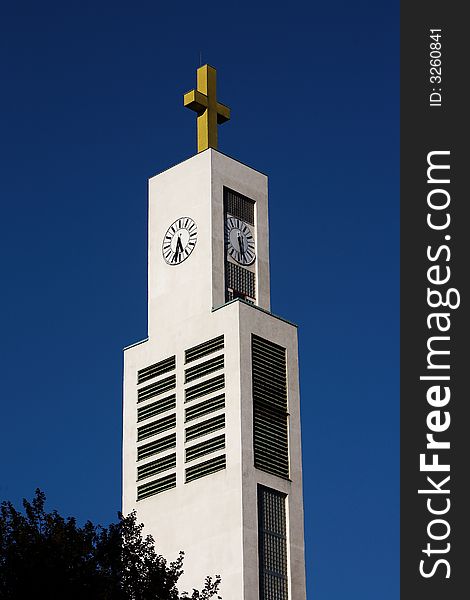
43 555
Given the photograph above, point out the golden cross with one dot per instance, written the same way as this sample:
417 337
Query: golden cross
210 113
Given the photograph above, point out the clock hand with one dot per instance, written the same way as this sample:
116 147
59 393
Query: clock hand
241 244
179 247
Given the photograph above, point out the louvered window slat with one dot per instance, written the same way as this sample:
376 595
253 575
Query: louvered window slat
271 434
156 487
270 448
273 352
203 448
268 347
269 399
270 439
156 447
267 359
155 408
271 381
164 366
206 387
205 407
270 370
205 468
156 466
271 415
204 349
156 427
269 462
204 368
205 427
154 389
270 364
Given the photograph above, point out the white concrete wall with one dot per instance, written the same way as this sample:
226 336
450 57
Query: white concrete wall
213 519
194 188
285 334
177 293
202 517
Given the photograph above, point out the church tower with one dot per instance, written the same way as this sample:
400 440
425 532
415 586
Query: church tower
211 439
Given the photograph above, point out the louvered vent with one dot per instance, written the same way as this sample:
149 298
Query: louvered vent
240 280
151 410
205 407
205 468
269 380
205 427
157 486
206 387
204 349
272 544
204 368
239 206
156 447
204 448
156 466
149 391
156 427
156 370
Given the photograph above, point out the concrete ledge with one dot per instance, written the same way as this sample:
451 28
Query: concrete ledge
266 312
135 344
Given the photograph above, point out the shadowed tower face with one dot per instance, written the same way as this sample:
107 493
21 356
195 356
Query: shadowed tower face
211 424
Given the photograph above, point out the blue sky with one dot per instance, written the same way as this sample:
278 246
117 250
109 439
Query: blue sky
91 107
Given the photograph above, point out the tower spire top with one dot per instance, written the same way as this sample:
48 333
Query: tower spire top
210 112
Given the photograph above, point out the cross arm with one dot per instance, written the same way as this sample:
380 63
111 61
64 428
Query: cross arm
223 113
195 101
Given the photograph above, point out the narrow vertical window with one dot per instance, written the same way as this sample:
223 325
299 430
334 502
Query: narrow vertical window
269 380
272 544
240 247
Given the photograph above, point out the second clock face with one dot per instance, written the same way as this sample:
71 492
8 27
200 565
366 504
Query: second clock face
179 241
240 241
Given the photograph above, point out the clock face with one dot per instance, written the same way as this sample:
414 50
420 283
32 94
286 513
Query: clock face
179 241
240 241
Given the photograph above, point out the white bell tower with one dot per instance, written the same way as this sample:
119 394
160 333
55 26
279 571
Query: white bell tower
211 423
